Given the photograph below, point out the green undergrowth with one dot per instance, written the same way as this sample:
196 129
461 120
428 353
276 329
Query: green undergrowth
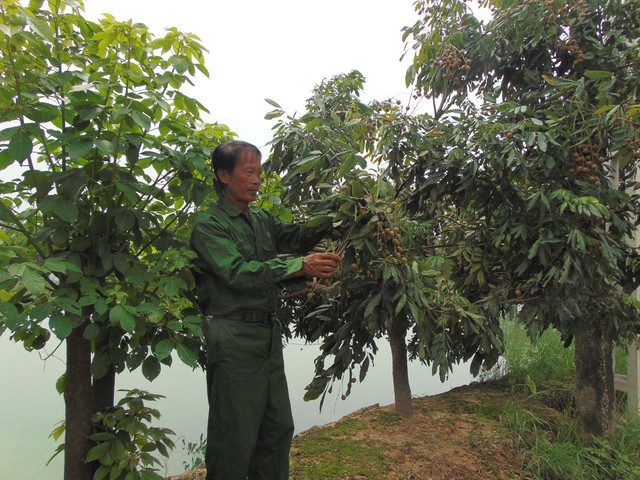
333 452
552 447
529 397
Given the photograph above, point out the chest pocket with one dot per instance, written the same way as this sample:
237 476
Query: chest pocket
268 247
265 243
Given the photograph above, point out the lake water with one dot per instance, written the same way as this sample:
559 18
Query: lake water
30 407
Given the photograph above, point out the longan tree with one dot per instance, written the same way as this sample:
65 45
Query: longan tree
540 105
346 165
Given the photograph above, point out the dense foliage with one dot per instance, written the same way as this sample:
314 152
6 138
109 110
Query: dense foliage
103 158
510 175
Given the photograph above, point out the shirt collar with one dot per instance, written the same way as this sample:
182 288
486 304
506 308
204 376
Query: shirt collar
230 208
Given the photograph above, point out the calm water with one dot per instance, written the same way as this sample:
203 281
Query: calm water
30 407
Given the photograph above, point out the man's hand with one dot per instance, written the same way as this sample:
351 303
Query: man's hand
321 265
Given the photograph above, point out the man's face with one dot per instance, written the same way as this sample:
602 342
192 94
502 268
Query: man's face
243 183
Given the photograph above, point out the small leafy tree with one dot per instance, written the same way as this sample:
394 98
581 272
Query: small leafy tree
539 110
346 166
111 157
125 440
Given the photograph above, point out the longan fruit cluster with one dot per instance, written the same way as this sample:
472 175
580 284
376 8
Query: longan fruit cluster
588 163
577 9
554 8
451 62
370 131
390 240
635 145
571 47
317 285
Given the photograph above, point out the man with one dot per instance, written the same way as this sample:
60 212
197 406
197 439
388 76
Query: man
250 423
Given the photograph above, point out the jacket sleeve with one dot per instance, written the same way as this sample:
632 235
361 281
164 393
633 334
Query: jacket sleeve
219 255
293 237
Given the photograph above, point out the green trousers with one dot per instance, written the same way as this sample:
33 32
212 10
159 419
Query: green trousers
250 423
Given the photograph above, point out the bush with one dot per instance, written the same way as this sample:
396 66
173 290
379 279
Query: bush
125 441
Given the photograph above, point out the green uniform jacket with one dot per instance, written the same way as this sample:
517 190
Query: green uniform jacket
237 268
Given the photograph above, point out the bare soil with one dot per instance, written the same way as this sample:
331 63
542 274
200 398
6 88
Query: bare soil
452 436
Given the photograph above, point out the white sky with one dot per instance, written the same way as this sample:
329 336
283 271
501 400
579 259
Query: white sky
279 49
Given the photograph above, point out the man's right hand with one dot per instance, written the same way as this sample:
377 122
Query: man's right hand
321 265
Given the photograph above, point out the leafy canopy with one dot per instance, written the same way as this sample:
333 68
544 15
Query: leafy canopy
108 157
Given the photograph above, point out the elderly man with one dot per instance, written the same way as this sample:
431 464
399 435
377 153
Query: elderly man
238 271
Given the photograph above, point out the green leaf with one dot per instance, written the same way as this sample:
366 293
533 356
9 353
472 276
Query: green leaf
151 368
33 281
273 114
20 146
101 306
141 119
5 159
80 149
180 63
43 112
597 74
135 358
120 316
60 325
125 220
273 103
164 348
348 165
60 383
99 452
8 133
35 5
105 146
56 264
8 312
373 303
67 210
91 331
63 208
187 355
174 325
150 475
604 109
173 285
542 142
41 28
67 304
320 222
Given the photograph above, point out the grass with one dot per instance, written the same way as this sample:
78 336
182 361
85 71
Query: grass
555 450
349 456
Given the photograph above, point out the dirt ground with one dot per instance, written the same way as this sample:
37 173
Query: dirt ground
452 436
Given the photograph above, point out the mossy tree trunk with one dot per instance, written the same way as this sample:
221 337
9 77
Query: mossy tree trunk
595 394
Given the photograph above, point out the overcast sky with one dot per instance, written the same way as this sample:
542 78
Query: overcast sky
279 49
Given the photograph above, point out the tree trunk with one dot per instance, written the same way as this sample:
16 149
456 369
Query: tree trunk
103 391
77 399
400 371
595 395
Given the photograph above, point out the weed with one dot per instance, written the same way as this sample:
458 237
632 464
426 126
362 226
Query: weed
195 452
544 368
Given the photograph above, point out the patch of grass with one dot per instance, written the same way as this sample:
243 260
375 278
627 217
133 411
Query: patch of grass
340 452
553 450
539 364
388 418
621 359
490 412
